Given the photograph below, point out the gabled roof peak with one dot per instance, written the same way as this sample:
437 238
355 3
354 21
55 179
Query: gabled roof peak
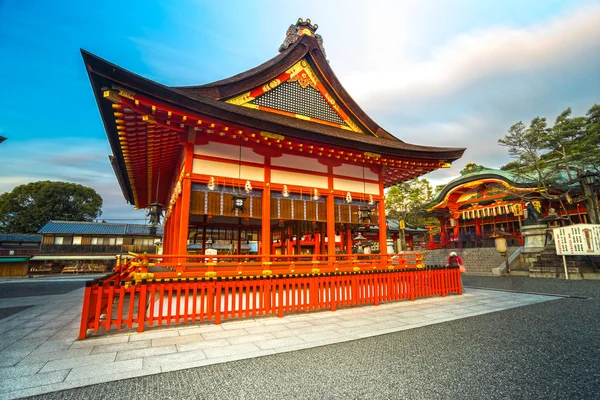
299 29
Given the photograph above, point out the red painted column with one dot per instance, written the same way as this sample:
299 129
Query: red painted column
266 214
176 215
330 218
382 220
167 236
185 199
457 235
348 240
443 238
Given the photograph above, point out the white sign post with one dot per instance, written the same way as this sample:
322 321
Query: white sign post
577 240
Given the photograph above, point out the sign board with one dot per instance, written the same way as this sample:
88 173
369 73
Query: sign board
577 240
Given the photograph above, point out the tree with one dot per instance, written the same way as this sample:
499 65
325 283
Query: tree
406 201
29 207
553 157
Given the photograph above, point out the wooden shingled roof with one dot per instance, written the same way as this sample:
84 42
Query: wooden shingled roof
243 100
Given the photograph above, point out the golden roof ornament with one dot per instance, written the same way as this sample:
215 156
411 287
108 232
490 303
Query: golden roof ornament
301 28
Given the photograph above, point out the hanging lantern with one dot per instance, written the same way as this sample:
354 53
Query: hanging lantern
518 209
348 197
453 222
364 214
155 213
371 202
248 187
238 202
285 192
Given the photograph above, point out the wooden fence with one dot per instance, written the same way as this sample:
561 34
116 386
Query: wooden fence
116 303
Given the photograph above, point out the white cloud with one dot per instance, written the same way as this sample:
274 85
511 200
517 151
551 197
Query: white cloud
478 54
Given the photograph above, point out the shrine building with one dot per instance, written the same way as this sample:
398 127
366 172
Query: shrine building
272 161
482 201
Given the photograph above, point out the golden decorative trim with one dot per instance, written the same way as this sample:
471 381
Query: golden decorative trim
149 119
472 184
123 92
444 164
270 135
374 155
241 99
353 126
112 96
304 117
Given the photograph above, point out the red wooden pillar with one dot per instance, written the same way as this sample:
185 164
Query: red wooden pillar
330 218
266 214
348 240
176 215
457 235
185 199
166 224
382 220
443 238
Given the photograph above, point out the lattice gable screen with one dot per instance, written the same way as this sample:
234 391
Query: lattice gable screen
293 98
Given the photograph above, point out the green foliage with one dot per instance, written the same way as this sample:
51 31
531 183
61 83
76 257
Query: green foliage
545 153
29 207
406 201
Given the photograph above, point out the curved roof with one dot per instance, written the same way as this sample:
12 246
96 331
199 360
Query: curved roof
482 174
97 228
209 102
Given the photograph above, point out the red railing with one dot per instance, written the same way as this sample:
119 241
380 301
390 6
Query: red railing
115 304
197 265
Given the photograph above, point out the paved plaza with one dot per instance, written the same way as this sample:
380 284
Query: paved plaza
40 354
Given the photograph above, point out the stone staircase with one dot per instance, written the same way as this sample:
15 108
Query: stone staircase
550 265
477 261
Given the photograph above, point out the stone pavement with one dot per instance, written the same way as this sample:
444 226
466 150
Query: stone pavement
39 352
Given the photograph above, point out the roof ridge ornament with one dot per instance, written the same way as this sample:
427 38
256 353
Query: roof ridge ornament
301 28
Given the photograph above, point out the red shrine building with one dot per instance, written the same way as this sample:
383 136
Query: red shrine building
272 161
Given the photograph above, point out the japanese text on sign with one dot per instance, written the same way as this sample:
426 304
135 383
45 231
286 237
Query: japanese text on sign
580 239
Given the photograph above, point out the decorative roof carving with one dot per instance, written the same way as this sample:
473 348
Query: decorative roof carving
302 28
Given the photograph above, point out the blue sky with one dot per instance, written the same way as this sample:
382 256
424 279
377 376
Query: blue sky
443 73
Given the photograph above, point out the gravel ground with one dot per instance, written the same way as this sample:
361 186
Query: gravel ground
543 351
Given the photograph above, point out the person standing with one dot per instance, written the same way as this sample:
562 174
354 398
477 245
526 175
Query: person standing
454 260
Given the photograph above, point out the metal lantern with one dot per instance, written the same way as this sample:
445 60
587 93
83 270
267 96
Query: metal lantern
500 243
238 202
155 213
364 214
